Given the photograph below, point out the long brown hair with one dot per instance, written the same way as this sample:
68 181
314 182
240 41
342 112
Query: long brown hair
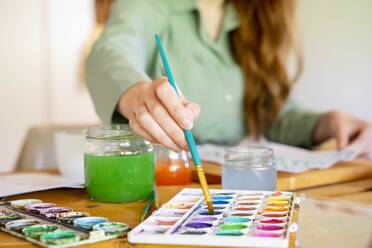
261 46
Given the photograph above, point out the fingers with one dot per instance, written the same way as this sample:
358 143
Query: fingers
133 123
168 97
194 108
342 135
162 117
147 122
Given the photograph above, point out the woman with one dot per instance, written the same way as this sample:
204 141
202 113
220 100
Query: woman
229 58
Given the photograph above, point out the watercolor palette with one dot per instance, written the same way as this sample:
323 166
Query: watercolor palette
49 225
241 219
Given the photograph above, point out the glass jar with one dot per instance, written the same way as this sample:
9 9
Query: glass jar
249 168
119 166
172 168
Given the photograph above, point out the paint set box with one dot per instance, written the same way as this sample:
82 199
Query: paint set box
49 225
241 219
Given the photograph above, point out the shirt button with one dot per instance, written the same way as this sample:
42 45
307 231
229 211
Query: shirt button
228 97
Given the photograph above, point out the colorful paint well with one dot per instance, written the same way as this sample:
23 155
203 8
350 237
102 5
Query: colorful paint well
220 202
207 213
37 207
275 215
198 225
166 220
240 208
269 227
8 217
69 217
272 221
229 233
112 228
205 219
88 222
18 225
234 226
242 214
52 212
59 237
36 231
236 219
22 203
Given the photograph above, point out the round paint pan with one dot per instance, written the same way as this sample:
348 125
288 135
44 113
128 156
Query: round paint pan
222 197
277 203
166 220
198 225
267 234
251 194
88 222
170 213
225 193
206 213
69 217
274 215
275 209
250 199
247 203
112 228
220 202
37 207
214 207
241 214
229 233
244 209
53 211
180 205
233 226
18 225
273 221
36 231
269 227
205 219
235 219
155 229
279 198
59 237
193 232
8 217
22 203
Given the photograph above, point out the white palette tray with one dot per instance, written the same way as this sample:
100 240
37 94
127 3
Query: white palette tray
241 219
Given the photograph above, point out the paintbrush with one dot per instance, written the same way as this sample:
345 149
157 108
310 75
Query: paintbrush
148 205
188 134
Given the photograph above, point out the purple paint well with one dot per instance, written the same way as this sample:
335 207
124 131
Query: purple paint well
201 219
198 225
267 235
207 213
37 207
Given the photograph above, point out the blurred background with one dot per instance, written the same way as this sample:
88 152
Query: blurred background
43 44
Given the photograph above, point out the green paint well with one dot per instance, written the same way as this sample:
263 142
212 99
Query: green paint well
120 178
228 227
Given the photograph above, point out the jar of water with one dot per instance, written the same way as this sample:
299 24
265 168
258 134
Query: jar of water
249 168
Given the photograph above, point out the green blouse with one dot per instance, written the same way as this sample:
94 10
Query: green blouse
205 70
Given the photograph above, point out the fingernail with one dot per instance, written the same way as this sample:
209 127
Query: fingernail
187 124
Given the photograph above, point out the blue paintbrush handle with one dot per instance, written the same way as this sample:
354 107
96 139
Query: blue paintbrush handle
188 134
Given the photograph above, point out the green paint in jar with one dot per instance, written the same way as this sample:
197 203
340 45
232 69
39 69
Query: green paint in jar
119 165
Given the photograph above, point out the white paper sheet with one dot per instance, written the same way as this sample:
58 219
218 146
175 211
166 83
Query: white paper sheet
19 183
288 158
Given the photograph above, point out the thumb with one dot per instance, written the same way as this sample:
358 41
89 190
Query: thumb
342 136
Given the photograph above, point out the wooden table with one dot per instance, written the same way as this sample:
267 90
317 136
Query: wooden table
346 181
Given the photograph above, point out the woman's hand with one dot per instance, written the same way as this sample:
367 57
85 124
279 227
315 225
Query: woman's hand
156 113
346 129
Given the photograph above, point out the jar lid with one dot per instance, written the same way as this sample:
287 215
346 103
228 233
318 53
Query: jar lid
112 132
128 142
